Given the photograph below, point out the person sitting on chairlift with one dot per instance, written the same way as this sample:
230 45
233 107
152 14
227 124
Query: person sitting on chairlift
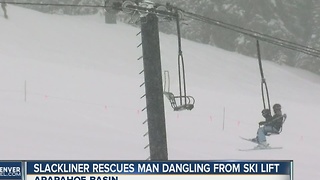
271 125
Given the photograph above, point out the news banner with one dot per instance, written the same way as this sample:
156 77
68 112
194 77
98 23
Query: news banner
146 170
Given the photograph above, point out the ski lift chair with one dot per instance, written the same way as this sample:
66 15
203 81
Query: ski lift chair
280 130
189 101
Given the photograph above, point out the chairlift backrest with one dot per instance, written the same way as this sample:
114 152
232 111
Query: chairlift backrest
280 130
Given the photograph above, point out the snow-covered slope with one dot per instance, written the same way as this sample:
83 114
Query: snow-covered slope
69 89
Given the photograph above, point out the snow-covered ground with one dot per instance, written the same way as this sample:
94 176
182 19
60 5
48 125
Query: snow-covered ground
69 89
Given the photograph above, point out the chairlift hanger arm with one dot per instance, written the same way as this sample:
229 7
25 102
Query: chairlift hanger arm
178 32
186 102
259 60
264 87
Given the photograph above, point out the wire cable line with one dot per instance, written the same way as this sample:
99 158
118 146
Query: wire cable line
55 4
254 34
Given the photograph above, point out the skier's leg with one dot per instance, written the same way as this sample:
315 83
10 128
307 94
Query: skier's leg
261 134
269 129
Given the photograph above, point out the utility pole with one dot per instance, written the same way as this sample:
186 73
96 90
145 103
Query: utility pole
153 87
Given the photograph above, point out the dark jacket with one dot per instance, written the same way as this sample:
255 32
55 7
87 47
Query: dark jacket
277 121
274 121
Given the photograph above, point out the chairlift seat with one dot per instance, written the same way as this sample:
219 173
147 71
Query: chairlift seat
274 133
280 130
172 98
183 107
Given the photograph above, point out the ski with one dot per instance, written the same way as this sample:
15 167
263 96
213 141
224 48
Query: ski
257 149
247 139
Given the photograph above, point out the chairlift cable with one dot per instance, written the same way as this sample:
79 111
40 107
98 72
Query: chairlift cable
251 33
256 35
55 4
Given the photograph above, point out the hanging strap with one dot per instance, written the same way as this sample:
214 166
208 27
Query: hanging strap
264 87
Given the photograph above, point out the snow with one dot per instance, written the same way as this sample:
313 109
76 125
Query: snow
241 40
83 97
274 3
